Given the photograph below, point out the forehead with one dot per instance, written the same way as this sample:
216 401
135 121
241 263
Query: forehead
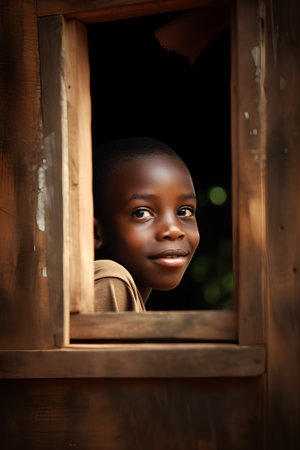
150 172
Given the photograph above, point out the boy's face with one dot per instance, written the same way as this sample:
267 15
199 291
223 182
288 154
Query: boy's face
148 222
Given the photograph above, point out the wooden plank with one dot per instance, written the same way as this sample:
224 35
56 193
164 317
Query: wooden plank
172 325
282 42
54 104
67 140
80 167
23 271
234 151
248 174
135 360
102 10
121 414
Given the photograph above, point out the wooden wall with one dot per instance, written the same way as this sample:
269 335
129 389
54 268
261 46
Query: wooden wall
282 141
146 414
25 308
115 414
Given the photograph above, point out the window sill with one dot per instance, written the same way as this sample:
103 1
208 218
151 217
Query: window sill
135 361
209 326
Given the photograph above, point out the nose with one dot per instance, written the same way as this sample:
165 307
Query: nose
170 229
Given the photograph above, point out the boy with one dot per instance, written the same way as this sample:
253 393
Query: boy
145 226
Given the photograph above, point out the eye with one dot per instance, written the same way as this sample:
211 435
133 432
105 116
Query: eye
186 212
141 213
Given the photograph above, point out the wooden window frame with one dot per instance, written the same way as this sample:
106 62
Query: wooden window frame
185 343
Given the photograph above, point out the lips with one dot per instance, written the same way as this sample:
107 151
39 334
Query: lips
170 257
171 252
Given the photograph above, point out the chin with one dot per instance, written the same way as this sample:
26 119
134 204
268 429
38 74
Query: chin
167 286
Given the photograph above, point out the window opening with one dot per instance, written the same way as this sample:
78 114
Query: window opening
139 86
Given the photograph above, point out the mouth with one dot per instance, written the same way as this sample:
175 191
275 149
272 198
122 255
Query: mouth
170 258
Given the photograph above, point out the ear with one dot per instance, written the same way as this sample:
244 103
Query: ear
98 238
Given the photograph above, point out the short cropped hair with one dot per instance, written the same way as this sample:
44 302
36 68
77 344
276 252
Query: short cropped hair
107 155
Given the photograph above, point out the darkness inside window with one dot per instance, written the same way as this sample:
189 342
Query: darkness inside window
140 88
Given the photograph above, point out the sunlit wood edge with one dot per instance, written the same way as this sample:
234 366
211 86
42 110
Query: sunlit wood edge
103 10
167 325
135 361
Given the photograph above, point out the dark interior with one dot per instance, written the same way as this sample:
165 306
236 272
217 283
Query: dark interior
140 88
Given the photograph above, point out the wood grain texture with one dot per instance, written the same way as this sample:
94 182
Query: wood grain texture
102 10
183 325
282 41
248 173
123 414
55 134
135 360
81 227
67 141
23 278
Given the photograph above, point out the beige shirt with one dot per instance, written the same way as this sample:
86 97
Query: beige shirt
115 289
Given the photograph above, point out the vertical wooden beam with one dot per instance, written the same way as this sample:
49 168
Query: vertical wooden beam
25 319
234 150
67 140
248 172
80 166
54 103
282 87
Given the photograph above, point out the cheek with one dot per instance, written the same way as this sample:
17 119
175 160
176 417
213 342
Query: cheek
139 239
193 236
196 238
133 236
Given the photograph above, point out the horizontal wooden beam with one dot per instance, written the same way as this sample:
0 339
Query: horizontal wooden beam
135 360
103 10
171 325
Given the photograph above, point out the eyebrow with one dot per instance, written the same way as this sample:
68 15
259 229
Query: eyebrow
191 195
141 196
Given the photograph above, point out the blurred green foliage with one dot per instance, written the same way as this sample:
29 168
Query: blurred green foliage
211 268
211 271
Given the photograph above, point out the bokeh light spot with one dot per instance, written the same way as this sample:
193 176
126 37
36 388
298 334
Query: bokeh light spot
217 195
211 293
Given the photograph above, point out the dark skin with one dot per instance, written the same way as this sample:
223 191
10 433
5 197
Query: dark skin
148 221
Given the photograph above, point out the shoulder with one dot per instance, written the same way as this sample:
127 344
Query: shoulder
115 289
106 268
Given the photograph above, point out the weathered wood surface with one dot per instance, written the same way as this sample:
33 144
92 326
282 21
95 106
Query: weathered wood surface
172 325
248 173
67 141
77 84
101 10
55 137
157 413
127 414
25 319
135 360
282 90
